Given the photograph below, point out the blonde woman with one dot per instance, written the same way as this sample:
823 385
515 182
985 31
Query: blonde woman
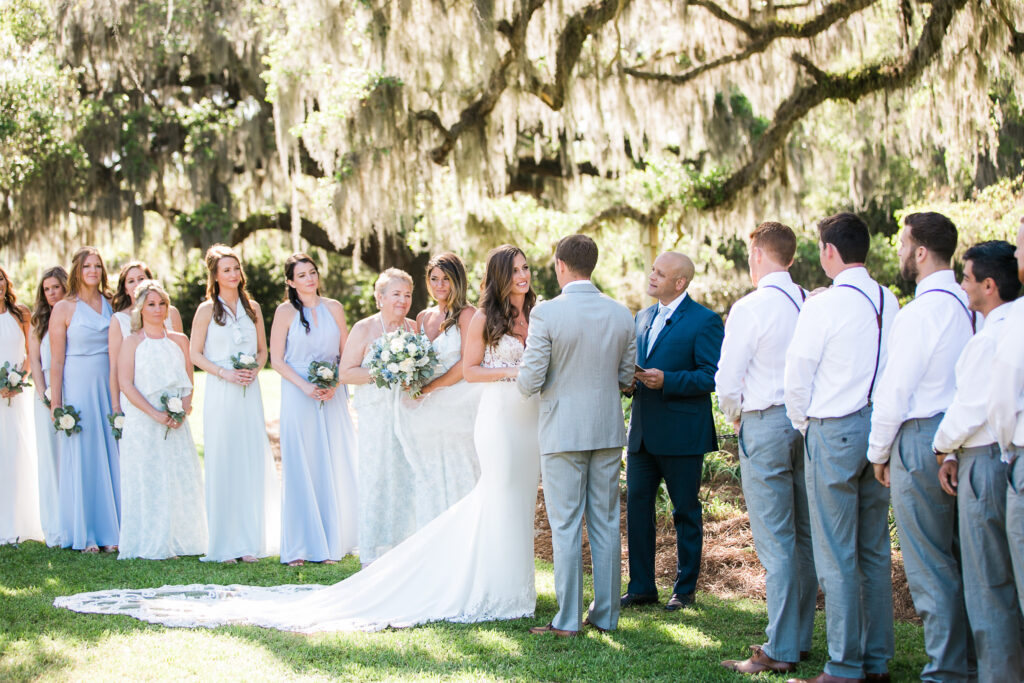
163 515
243 495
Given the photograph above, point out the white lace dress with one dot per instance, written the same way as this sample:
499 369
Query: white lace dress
473 563
436 435
162 509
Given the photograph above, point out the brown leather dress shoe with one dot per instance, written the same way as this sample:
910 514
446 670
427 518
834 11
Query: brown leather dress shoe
539 630
758 663
588 622
825 677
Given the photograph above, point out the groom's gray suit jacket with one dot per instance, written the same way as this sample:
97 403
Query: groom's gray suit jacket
579 354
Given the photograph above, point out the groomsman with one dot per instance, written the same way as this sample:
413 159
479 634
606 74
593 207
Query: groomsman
1006 418
833 361
750 394
990 280
911 396
670 427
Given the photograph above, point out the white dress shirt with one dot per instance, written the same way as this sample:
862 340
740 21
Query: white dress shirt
1006 390
927 337
757 334
965 424
831 359
656 328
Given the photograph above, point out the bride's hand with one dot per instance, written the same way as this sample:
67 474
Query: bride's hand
512 373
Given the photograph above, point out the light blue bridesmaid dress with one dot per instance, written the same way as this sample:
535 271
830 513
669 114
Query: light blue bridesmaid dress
90 478
318 452
48 448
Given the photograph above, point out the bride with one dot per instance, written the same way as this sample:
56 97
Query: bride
472 563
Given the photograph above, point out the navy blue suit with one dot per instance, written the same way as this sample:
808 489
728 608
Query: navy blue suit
670 430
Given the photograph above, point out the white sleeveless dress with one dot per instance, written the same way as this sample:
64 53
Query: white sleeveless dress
436 436
162 510
48 452
19 477
473 563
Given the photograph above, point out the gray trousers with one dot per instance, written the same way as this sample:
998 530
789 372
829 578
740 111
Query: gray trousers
926 520
1015 519
772 469
850 533
578 484
989 590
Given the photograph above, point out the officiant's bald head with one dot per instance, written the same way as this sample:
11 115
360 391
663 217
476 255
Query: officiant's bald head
670 275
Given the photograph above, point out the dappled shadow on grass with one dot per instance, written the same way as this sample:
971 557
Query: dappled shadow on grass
650 644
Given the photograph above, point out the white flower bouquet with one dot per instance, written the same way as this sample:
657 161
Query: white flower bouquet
12 380
46 397
402 358
324 374
174 407
116 421
68 420
244 361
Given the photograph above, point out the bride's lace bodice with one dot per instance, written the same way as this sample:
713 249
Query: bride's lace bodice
507 353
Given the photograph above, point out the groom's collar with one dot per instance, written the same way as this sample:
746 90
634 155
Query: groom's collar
574 283
579 287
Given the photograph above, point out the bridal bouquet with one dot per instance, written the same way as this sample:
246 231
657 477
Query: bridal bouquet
174 407
244 361
116 421
323 374
402 358
68 420
12 380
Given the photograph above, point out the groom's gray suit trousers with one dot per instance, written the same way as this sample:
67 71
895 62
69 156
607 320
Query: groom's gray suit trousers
578 484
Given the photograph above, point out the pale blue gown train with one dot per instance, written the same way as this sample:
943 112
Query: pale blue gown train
90 477
319 501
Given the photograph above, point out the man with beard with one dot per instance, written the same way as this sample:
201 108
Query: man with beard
913 392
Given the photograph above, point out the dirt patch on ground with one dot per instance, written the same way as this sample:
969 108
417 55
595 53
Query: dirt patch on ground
729 565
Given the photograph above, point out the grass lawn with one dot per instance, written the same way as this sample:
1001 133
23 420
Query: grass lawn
39 642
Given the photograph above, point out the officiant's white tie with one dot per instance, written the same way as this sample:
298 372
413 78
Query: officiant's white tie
657 326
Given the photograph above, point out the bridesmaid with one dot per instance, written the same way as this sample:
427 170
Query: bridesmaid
52 288
90 477
19 485
319 500
386 515
132 273
242 491
163 515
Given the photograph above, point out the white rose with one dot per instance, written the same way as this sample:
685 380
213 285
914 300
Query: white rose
407 365
15 378
393 368
119 422
397 345
66 422
175 405
385 355
412 348
325 373
422 361
246 359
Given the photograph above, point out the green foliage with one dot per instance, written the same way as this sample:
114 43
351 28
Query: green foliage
208 224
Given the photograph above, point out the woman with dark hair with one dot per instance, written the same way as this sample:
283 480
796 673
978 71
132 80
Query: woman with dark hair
132 273
319 499
243 495
53 286
473 563
386 480
436 431
19 483
90 477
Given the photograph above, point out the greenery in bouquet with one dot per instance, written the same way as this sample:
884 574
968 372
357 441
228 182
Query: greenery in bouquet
402 358
116 421
68 420
244 361
324 374
12 379
175 407
46 397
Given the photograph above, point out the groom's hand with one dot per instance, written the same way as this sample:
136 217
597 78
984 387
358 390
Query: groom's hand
651 378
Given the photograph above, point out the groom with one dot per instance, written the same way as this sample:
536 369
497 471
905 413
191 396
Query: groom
579 354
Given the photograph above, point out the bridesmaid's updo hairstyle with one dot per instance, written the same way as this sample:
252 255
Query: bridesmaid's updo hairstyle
41 313
495 291
213 256
142 291
293 294
10 298
122 297
453 268
75 278
385 279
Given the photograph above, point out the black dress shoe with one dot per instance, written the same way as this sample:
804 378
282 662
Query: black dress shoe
679 601
634 599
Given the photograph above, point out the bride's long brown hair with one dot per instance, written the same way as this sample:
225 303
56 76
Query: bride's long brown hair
496 288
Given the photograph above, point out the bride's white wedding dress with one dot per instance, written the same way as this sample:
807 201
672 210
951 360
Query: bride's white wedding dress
472 563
